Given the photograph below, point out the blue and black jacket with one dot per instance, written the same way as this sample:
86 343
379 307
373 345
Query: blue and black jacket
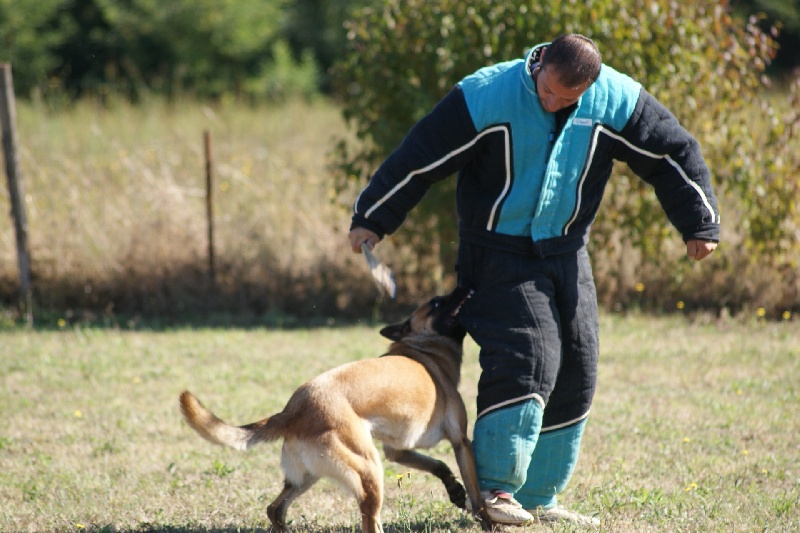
532 181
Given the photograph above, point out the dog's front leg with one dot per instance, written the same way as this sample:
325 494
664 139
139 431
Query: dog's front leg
469 473
428 464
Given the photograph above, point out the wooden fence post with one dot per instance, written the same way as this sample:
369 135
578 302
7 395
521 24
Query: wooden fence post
212 276
8 127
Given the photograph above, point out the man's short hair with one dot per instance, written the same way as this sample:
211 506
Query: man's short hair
575 60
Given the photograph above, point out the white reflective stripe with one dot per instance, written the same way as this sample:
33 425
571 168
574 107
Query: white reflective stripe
565 424
507 185
440 161
579 197
696 187
355 205
533 396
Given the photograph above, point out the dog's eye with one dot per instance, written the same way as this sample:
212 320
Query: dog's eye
436 303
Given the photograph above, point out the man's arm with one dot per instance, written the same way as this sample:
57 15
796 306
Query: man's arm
663 153
435 148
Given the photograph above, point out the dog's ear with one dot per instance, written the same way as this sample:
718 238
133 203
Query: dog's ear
396 332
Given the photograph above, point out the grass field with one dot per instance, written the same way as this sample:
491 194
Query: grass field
694 428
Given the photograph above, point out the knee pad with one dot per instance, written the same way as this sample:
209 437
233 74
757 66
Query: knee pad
504 441
551 466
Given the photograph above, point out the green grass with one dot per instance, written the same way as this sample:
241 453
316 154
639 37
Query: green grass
694 428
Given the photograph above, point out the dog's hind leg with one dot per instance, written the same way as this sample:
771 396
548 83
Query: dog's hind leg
298 478
356 464
276 511
455 491
370 500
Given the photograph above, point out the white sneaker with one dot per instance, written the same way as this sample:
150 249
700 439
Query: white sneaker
560 514
504 509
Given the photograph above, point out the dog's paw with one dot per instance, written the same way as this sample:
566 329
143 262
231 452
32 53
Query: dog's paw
457 494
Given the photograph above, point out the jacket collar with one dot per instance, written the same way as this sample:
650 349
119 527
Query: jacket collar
531 60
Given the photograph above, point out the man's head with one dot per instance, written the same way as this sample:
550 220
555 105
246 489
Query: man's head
569 65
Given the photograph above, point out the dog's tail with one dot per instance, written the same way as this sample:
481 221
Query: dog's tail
211 428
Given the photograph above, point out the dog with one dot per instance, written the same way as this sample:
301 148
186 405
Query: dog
408 398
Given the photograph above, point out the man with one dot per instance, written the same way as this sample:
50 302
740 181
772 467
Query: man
533 142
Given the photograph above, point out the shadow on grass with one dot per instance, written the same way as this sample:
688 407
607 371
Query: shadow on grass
181 296
307 526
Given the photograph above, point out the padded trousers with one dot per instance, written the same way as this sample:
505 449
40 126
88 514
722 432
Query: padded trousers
535 321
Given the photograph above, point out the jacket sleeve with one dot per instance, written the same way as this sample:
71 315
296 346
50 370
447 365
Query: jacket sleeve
661 152
436 147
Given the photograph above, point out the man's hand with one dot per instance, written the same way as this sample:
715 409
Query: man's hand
358 236
697 249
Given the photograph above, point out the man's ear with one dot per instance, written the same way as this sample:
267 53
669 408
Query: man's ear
396 332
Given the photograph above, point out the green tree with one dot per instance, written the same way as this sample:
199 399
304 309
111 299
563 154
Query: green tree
24 43
702 63
205 46
783 14
318 27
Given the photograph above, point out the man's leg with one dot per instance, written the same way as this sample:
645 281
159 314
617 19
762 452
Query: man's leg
513 318
515 327
551 466
553 462
504 441
564 419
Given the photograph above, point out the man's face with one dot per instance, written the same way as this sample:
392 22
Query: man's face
552 94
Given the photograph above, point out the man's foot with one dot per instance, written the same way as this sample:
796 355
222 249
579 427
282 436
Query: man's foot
560 514
504 509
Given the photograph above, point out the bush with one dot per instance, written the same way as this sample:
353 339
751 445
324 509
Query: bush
284 78
206 48
702 63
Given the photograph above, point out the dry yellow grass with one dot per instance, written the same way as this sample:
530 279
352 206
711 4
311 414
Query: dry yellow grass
116 209
117 213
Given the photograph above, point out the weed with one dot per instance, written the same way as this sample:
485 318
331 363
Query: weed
106 448
784 504
30 490
220 469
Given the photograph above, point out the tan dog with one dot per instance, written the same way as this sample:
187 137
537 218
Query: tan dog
408 398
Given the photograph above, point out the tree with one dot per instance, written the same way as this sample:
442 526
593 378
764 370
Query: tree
207 47
204 47
24 44
783 14
318 27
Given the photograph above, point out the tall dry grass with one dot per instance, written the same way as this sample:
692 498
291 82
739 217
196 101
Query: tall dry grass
115 197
